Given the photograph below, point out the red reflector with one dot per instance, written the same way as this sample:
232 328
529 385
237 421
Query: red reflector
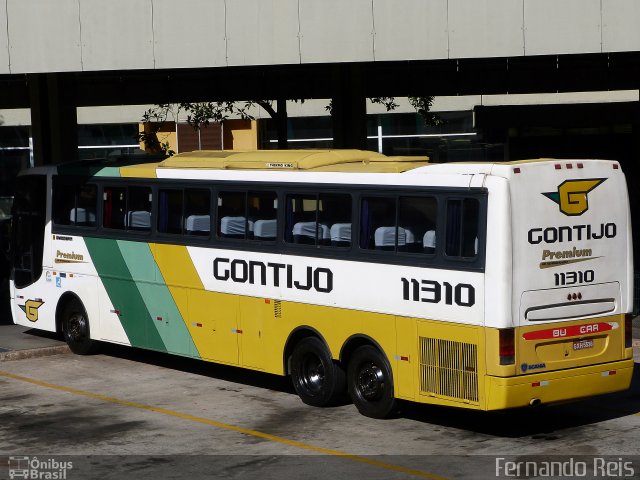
404 359
612 372
159 319
535 384
558 166
580 165
516 170
507 348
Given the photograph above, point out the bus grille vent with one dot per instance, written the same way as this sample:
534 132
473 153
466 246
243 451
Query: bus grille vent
449 369
277 309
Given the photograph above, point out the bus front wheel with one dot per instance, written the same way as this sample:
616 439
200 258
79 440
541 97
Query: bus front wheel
75 326
370 382
317 379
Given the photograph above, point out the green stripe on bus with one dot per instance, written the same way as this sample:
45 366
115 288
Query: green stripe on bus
124 293
164 312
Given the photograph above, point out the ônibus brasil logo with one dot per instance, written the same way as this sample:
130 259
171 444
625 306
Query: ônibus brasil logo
571 196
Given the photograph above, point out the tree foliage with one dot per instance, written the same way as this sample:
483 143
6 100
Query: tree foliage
201 114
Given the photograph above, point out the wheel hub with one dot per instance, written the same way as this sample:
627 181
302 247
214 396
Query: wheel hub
313 373
77 327
371 381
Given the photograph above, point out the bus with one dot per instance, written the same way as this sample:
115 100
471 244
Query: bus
485 286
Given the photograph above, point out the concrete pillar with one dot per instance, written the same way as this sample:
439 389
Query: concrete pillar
349 107
54 121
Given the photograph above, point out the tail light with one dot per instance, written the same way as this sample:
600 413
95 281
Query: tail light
507 346
628 330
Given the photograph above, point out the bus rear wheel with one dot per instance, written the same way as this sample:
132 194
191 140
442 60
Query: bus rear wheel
370 382
75 326
317 379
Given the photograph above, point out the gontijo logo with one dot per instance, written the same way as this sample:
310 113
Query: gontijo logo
571 196
31 309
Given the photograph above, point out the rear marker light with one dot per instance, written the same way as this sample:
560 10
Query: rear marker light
117 312
628 333
569 166
516 170
580 165
507 346
558 166
616 166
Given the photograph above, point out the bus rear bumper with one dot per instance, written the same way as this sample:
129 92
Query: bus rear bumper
551 387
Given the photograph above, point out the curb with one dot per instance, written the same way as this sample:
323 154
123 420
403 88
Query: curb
33 353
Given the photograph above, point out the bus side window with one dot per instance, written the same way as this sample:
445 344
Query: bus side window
139 209
232 219
302 220
170 211
335 213
263 215
418 217
74 204
378 229
114 207
85 214
64 203
197 212
462 228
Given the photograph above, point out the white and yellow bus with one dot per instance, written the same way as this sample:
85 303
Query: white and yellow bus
477 285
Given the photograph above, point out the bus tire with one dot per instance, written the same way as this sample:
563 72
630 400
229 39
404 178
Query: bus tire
370 382
75 326
317 379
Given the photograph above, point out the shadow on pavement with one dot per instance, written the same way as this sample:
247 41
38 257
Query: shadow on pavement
543 423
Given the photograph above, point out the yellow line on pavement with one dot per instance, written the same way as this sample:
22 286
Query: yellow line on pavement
226 426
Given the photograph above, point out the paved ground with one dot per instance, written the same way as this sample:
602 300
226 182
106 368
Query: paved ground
134 414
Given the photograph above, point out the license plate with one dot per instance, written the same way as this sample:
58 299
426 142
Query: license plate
582 344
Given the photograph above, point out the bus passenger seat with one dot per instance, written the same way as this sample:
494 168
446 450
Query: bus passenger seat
138 220
234 227
385 238
429 241
265 229
305 232
80 216
197 224
341 234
